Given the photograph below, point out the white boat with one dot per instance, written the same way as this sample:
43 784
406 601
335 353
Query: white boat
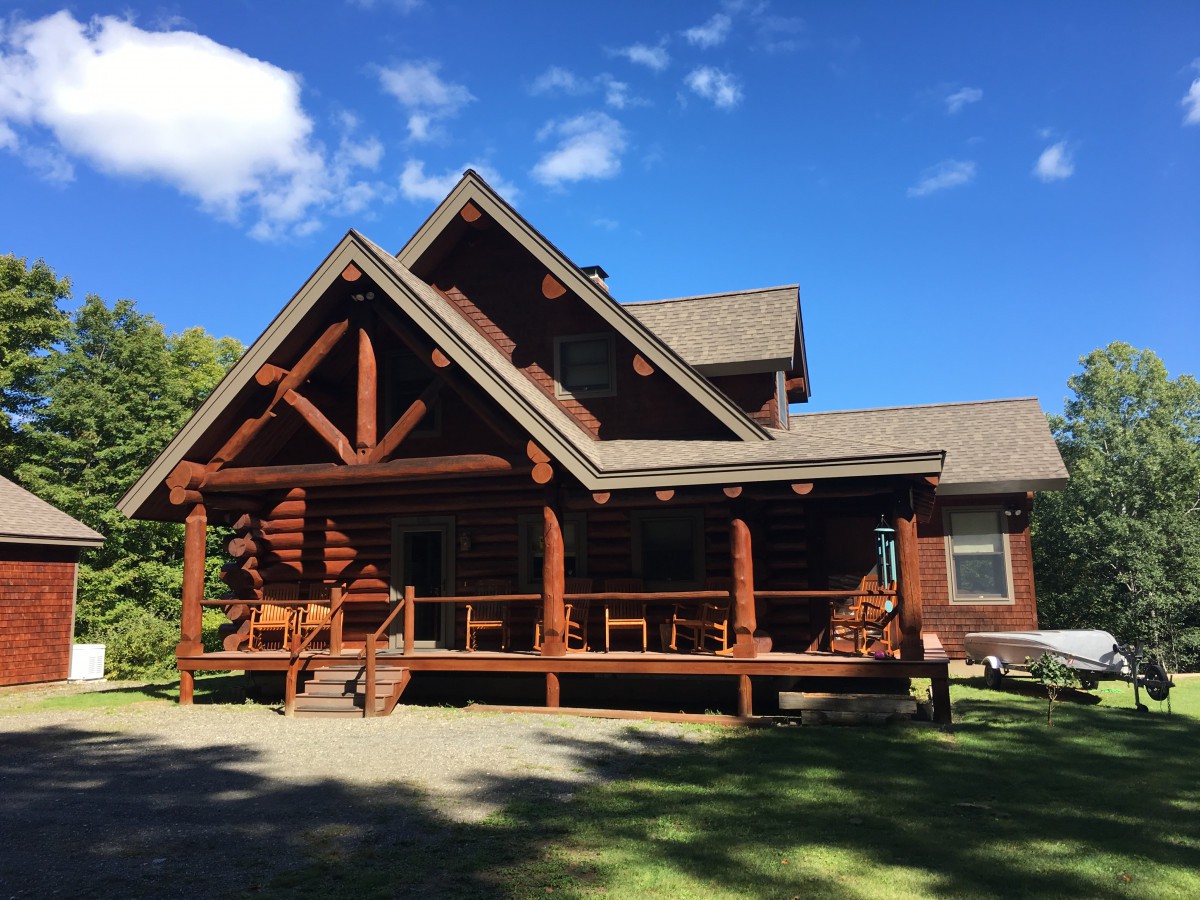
1094 655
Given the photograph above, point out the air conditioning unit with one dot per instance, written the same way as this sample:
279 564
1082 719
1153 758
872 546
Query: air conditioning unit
87 662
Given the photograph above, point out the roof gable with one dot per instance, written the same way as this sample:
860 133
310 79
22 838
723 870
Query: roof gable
473 197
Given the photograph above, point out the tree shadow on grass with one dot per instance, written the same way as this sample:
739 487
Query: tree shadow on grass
1001 806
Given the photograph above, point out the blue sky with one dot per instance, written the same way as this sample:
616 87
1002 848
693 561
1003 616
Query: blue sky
971 196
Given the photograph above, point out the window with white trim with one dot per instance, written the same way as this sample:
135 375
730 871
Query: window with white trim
583 366
977 556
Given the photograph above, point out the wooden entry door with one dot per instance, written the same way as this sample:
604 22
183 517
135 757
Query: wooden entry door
423 556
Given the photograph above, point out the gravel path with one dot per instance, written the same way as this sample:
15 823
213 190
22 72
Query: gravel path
108 802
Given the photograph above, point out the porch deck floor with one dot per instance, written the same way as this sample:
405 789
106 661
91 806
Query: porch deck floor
813 664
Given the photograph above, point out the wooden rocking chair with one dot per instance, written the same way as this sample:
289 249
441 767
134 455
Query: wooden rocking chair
575 615
271 625
488 616
624 613
708 624
316 616
864 618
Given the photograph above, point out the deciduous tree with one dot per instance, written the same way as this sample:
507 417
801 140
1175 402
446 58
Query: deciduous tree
1119 549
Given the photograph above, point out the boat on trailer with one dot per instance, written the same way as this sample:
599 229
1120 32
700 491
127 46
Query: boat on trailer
1094 655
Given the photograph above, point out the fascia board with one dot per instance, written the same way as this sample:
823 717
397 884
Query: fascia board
239 375
41 539
925 464
745 367
655 350
1010 486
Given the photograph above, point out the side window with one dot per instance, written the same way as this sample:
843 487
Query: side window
533 548
583 366
668 549
977 556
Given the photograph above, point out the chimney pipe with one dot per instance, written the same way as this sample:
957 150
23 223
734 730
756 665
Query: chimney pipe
597 274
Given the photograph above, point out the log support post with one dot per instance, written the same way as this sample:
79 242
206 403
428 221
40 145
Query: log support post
367 386
910 613
336 611
553 695
190 625
554 614
742 567
745 697
410 619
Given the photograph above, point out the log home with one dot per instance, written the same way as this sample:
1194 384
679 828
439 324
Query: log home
467 456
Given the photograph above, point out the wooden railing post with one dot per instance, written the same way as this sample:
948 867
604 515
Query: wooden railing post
369 680
554 614
289 689
410 619
337 598
195 535
910 613
742 566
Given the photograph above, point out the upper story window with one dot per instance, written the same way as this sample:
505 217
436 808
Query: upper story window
977 556
583 366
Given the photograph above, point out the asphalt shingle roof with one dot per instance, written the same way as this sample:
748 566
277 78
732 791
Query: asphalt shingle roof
27 519
992 445
723 329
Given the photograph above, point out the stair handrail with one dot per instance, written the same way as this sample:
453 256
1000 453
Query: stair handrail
407 604
297 648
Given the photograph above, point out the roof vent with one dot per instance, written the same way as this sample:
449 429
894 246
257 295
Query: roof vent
597 274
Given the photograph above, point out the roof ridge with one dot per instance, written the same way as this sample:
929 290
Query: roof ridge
762 290
843 412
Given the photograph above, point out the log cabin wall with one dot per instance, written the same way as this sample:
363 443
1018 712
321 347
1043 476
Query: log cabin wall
951 621
37 612
496 284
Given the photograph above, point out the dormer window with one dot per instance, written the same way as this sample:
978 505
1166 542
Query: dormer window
583 366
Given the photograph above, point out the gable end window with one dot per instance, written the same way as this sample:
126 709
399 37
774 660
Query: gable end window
977 556
583 366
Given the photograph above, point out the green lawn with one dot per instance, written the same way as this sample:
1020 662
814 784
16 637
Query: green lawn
1106 803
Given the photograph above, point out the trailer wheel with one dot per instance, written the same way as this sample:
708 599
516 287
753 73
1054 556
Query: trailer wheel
1158 683
992 676
1088 683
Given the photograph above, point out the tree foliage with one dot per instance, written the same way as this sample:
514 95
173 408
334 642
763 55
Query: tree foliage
30 322
1119 549
103 401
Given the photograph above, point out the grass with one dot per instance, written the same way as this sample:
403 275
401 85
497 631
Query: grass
1105 803
210 688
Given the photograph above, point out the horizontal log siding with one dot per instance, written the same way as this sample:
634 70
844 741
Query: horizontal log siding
36 613
951 621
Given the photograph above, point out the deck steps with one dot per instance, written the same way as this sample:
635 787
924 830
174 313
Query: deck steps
340 692
848 709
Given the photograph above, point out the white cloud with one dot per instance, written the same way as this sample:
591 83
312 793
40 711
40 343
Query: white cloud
1055 163
169 106
402 6
711 33
712 84
416 185
1191 100
589 146
655 58
946 174
557 80
424 94
960 98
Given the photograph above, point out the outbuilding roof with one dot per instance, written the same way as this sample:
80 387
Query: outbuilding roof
730 333
992 446
27 519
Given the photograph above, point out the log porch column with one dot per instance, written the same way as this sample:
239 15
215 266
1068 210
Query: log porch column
742 567
910 614
554 642
195 535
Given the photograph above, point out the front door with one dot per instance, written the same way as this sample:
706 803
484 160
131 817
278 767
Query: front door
421 557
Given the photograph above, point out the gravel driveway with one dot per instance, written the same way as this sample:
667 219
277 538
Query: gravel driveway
154 799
